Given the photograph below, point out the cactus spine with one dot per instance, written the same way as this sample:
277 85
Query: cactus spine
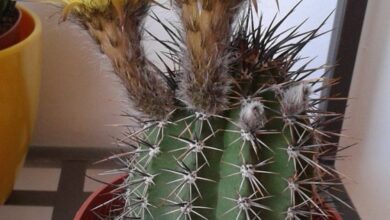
233 132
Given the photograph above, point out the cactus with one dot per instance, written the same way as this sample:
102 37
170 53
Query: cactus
231 131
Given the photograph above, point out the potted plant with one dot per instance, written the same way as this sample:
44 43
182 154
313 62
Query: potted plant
20 69
229 127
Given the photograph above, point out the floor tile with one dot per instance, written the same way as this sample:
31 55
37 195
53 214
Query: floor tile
38 179
25 213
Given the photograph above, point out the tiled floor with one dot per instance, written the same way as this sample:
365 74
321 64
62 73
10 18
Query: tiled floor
54 182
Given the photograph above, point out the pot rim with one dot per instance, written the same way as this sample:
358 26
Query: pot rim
35 33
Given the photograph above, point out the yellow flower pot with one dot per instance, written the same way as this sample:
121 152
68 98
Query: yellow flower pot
20 72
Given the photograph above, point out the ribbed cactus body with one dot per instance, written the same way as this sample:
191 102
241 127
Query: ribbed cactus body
236 165
185 166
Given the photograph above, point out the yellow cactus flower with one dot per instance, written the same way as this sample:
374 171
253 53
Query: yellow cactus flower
98 5
86 6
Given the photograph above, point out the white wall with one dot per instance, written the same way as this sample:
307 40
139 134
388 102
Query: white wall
369 118
80 96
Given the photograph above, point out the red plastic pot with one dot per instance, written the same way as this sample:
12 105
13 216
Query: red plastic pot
334 215
104 195
97 198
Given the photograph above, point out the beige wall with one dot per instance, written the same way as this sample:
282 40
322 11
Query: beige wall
78 98
369 118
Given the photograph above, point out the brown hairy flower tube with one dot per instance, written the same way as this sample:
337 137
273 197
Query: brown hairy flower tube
205 82
119 36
